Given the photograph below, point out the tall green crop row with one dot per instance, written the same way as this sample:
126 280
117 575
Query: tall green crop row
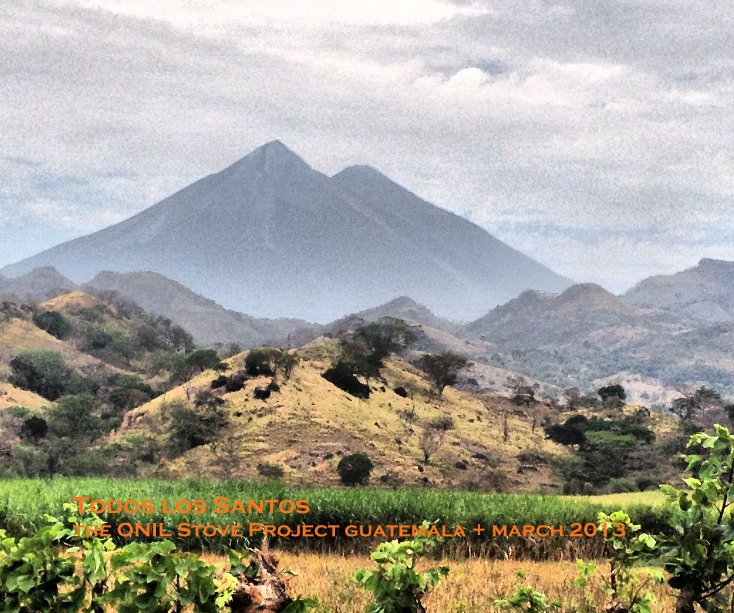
23 503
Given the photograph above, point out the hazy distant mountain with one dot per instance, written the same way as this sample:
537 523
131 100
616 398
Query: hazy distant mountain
410 311
271 236
207 321
587 333
705 291
36 285
534 320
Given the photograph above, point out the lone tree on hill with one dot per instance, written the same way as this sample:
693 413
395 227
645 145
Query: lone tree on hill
365 353
442 369
373 343
355 469
612 396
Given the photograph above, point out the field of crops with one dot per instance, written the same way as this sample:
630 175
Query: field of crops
23 504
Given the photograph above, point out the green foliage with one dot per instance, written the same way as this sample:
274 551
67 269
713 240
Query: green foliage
527 599
193 426
204 359
442 369
355 469
396 585
36 575
699 550
608 452
45 373
151 577
577 429
52 322
73 418
262 361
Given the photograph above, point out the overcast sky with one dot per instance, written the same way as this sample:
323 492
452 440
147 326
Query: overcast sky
595 136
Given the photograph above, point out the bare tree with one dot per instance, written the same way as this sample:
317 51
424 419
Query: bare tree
430 442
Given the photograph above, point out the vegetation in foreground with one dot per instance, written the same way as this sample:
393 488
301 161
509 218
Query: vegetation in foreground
54 569
23 502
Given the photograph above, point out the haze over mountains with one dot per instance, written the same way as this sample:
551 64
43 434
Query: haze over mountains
270 236
667 332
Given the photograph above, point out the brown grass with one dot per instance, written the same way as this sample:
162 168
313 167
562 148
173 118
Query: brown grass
310 423
472 585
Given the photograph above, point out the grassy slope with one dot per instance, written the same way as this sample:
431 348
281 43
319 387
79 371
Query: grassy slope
310 423
13 396
18 334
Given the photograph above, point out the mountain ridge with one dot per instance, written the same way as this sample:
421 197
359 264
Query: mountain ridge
270 236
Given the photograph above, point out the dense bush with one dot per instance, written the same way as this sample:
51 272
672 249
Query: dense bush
52 322
610 453
270 471
342 375
45 373
193 426
355 469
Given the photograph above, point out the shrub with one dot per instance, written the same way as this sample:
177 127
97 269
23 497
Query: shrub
270 471
52 322
262 361
34 428
396 585
45 373
355 469
442 423
341 375
193 426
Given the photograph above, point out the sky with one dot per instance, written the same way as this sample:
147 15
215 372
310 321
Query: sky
596 137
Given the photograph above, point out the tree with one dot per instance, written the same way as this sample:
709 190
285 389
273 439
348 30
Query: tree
698 549
355 469
691 406
73 418
383 337
45 373
204 359
365 354
193 426
572 396
442 369
286 363
430 442
612 396
52 322
262 361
